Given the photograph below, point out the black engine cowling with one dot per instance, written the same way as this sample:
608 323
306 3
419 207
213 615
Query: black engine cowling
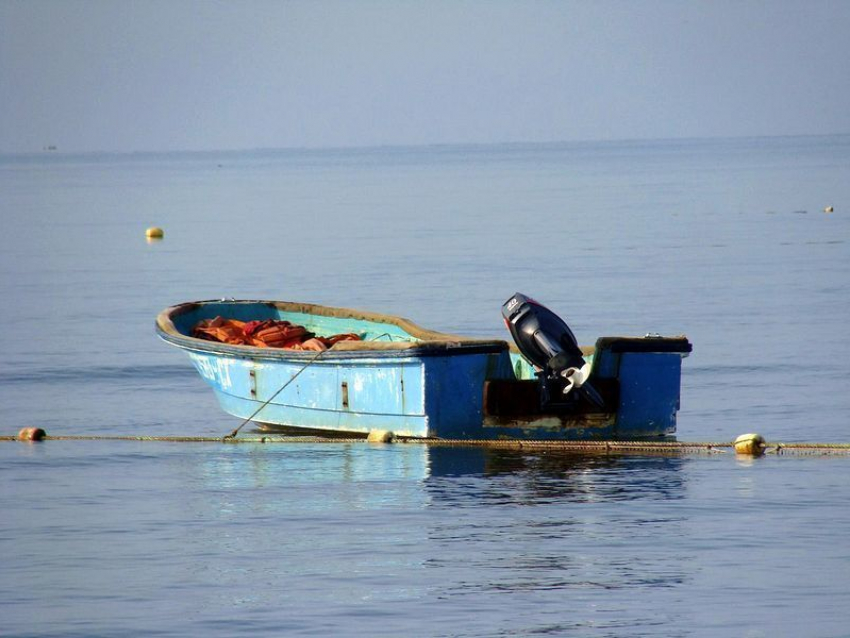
548 343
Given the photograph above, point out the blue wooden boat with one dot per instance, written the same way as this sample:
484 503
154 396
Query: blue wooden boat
421 383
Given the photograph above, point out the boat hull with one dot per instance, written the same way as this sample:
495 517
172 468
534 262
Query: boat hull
417 396
419 383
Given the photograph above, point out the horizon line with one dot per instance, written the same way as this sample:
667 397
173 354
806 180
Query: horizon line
53 150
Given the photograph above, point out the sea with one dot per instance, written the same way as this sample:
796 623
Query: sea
727 241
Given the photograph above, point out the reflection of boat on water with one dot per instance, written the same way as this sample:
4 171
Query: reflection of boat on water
434 472
414 522
389 374
565 476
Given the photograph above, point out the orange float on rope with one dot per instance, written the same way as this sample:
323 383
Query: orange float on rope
31 434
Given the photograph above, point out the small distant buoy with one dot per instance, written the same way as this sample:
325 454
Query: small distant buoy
828 209
380 436
154 232
31 434
750 444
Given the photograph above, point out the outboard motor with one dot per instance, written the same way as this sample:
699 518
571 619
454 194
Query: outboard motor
545 340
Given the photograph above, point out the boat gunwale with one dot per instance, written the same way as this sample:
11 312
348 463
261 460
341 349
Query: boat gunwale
430 342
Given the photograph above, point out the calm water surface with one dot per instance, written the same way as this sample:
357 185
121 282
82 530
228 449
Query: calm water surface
724 240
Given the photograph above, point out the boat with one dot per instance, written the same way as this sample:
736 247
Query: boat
391 374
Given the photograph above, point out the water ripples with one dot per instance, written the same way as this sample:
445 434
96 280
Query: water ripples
99 374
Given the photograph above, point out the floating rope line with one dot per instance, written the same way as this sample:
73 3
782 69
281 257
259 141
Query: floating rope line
188 439
636 447
582 447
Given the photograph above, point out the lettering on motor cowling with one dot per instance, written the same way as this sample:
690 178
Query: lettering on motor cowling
214 370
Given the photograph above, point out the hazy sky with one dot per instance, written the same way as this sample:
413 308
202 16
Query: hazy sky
130 75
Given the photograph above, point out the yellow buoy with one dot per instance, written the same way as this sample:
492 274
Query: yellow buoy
828 209
380 436
750 444
155 232
31 434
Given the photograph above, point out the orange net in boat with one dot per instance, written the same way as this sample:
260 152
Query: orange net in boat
270 333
